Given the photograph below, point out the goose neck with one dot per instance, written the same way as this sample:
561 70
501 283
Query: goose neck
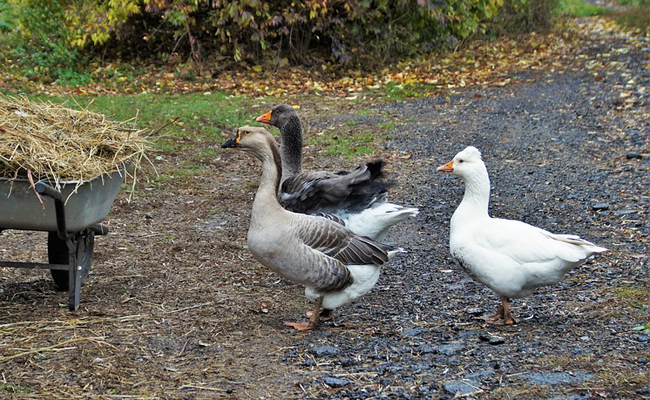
477 195
266 200
291 147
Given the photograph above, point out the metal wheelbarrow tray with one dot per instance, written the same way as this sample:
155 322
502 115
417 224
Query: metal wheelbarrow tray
71 217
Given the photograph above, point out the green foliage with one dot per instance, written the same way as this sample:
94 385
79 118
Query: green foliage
639 18
522 16
7 17
635 3
359 33
645 328
40 40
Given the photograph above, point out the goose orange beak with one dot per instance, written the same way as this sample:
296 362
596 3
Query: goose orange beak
449 167
266 118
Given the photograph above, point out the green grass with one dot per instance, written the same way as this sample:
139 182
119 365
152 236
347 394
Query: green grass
201 117
348 145
579 8
635 296
11 388
639 19
395 92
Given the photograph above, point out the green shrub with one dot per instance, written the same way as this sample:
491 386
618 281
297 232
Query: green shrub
7 17
354 33
522 16
635 3
41 39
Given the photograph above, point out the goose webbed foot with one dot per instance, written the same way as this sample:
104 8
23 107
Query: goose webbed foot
313 318
502 316
301 326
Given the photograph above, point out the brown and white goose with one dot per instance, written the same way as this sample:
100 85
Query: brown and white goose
335 265
510 257
355 197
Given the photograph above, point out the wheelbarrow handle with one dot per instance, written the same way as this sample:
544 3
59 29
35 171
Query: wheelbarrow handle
49 191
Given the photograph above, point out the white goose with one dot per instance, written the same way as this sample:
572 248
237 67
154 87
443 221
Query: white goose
335 265
356 197
510 257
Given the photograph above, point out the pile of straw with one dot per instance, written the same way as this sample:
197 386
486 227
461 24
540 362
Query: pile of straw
55 143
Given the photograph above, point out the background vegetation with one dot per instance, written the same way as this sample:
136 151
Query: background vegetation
57 37
66 40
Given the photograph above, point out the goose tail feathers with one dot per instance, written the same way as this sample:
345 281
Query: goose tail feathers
375 221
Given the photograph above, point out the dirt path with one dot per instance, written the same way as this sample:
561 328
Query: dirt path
176 308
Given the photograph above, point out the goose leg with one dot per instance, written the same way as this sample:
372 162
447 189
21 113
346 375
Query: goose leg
325 314
313 319
507 317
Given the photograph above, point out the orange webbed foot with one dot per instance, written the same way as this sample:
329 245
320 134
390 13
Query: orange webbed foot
301 326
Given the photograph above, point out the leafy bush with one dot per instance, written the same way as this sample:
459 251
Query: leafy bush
522 16
360 33
41 39
635 3
6 17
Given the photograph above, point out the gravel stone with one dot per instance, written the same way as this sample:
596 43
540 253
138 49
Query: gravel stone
450 349
325 351
335 382
462 388
600 206
556 378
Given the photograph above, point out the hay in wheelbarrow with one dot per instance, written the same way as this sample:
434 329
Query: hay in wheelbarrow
45 141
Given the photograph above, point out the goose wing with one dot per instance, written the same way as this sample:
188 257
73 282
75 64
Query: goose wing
310 192
338 242
512 254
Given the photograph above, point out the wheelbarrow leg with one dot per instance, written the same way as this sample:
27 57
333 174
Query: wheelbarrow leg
80 252
74 277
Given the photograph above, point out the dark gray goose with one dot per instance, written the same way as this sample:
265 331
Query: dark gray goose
335 265
355 197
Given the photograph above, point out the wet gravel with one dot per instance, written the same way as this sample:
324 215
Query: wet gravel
563 154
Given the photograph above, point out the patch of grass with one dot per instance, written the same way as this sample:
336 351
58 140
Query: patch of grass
201 117
11 388
639 19
626 379
395 92
347 145
634 296
579 8
208 153
387 125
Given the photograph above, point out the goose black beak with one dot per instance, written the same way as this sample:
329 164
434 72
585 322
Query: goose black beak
266 118
232 143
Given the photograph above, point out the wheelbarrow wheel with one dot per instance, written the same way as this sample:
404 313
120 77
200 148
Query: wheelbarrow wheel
57 253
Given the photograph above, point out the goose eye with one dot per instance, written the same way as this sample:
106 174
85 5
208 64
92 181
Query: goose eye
460 161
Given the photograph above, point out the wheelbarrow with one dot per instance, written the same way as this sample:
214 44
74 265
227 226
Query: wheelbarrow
72 219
